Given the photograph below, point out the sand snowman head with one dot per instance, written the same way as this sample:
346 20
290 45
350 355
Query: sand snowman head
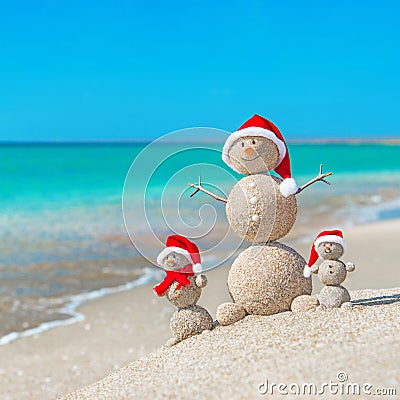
259 147
180 253
174 261
329 245
330 250
253 155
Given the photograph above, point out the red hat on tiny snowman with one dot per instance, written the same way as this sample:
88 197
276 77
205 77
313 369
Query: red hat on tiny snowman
181 245
261 127
334 236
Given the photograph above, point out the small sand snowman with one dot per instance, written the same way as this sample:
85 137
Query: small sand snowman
330 246
265 278
181 259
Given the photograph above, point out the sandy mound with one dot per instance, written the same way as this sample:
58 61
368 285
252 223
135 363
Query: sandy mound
361 344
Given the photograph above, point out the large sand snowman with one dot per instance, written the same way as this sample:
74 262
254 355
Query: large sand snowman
266 277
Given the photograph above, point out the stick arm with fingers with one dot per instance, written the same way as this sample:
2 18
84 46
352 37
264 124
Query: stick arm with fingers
199 188
320 177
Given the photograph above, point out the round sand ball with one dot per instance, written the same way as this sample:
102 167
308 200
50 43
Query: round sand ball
265 279
190 321
332 272
333 296
185 296
229 313
257 211
304 303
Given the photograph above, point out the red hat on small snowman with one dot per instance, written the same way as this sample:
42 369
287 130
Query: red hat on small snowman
334 236
181 245
261 127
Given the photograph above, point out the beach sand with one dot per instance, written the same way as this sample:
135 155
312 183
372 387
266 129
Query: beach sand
124 327
348 346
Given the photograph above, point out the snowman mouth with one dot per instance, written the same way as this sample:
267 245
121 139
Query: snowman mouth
250 159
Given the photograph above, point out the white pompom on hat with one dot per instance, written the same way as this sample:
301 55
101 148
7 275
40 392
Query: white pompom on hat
261 127
181 245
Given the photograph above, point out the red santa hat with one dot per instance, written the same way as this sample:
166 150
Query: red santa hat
181 245
334 236
261 127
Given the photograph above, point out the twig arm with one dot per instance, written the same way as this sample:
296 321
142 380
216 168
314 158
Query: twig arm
199 188
320 177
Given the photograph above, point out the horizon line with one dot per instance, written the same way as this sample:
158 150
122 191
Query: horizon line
389 140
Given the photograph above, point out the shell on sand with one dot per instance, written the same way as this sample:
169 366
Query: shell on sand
190 321
257 211
265 279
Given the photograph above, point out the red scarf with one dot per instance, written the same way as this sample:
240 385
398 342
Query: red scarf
179 275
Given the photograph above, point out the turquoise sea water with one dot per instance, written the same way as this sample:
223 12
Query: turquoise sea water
70 195
36 177
61 224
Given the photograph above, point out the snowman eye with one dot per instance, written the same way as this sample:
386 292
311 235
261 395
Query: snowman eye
253 141
242 144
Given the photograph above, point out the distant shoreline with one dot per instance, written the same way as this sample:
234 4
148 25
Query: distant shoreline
345 141
10 143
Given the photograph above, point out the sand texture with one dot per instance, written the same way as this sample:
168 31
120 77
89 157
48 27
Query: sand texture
265 279
189 321
304 303
286 347
257 211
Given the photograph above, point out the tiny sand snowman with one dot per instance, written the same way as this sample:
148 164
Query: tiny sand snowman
181 260
265 278
330 246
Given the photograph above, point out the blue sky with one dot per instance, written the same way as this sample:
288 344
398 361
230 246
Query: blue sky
72 70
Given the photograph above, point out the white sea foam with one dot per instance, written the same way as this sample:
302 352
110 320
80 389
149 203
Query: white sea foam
357 214
70 308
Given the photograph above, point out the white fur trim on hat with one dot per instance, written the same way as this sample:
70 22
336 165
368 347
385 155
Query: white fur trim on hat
307 271
288 187
253 131
330 238
197 268
169 250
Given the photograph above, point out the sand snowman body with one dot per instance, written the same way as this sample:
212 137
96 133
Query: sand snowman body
266 277
190 319
182 288
261 208
257 211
